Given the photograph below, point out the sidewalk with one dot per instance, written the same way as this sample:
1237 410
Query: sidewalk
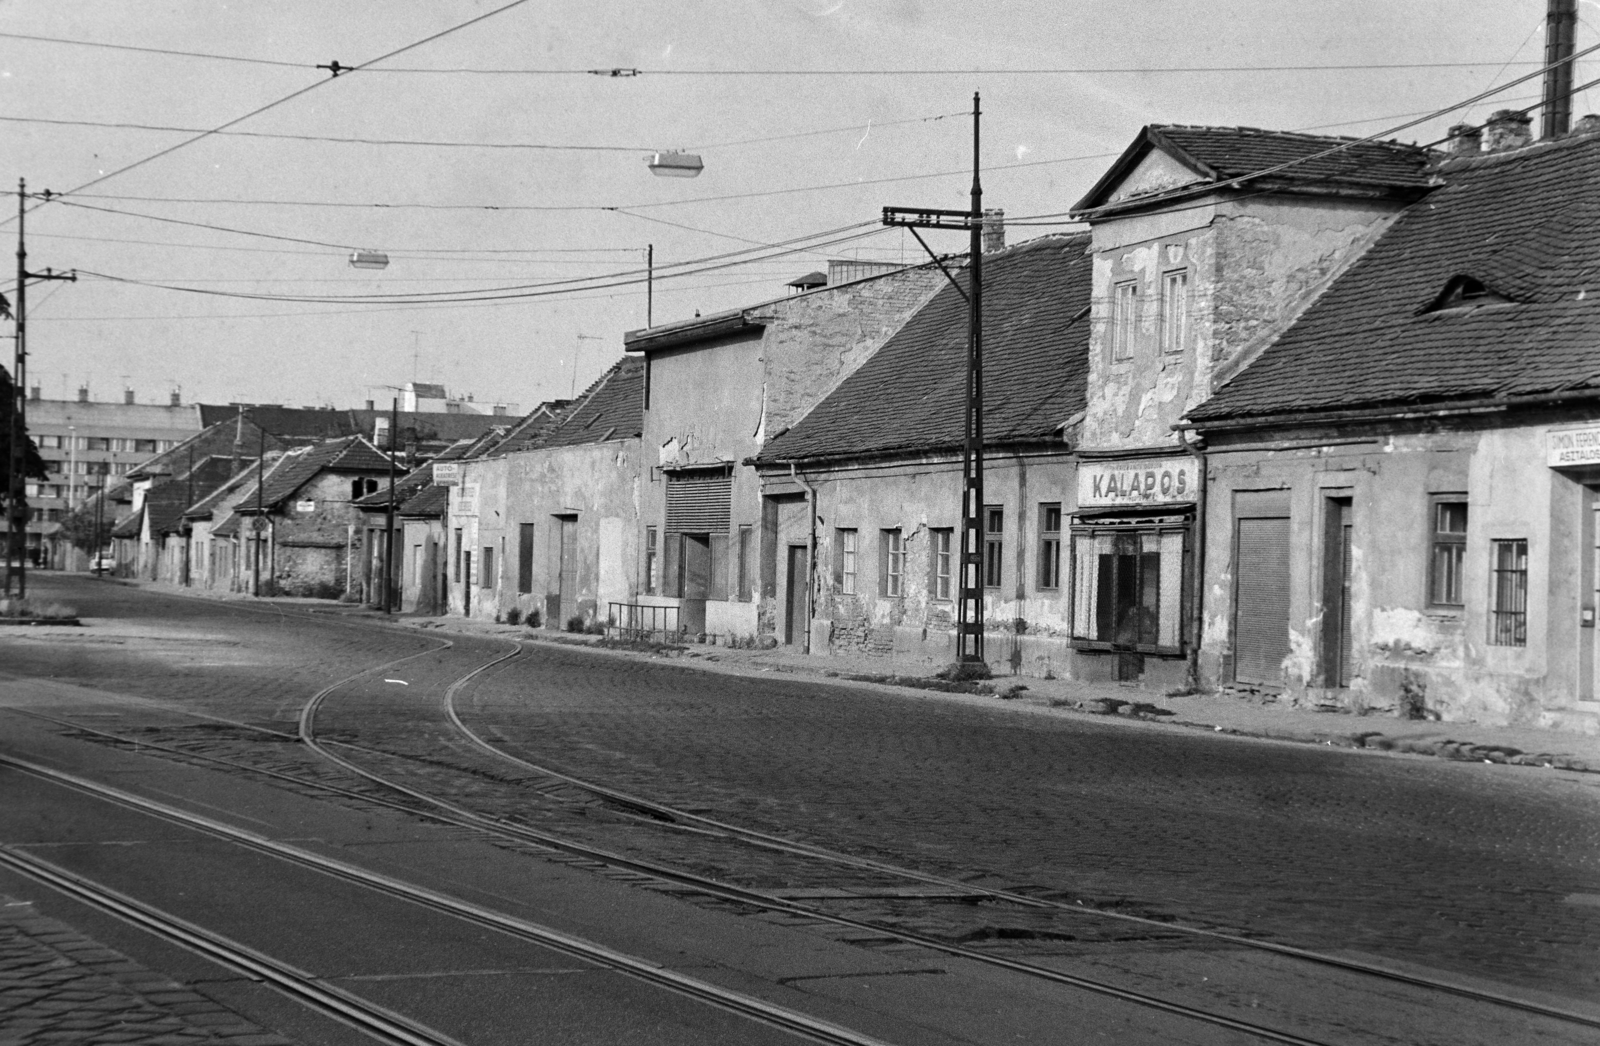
1213 713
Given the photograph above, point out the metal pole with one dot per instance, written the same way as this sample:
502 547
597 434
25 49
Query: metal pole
99 519
969 610
255 524
16 535
650 285
388 515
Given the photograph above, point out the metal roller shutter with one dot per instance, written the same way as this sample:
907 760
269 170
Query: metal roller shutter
699 504
1261 606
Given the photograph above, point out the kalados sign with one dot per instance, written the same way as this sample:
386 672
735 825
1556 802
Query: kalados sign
1144 481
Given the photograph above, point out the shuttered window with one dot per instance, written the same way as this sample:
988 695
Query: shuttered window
1261 600
699 503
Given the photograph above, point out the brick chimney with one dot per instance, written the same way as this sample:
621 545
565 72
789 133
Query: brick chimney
1466 140
176 400
1560 34
1587 124
127 395
83 394
36 393
994 230
1507 129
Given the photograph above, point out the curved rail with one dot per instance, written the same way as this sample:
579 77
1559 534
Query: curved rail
600 955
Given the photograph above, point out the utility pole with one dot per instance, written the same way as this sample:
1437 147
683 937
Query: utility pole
259 523
969 600
388 514
649 285
17 534
99 518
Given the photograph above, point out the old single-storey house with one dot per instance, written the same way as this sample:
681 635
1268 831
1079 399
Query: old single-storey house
1404 504
862 496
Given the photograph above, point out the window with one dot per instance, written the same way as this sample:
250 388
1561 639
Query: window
486 571
994 518
166 444
96 443
416 564
51 465
1127 586
1449 551
144 446
892 560
942 541
49 442
1508 618
458 556
845 565
1050 545
1175 311
122 444
32 490
1124 319
746 582
652 560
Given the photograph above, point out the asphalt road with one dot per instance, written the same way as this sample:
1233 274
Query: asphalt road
1485 875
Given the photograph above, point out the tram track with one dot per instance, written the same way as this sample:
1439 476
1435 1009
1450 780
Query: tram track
446 811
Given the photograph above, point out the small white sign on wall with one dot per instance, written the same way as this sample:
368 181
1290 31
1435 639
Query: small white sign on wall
305 505
447 473
464 502
1567 448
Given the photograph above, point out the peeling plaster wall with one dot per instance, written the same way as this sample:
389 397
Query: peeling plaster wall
1405 650
1253 264
596 482
722 399
1028 628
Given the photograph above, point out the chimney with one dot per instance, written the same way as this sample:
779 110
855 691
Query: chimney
36 393
369 405
994 230
1506 129
1466 140
176 400
127 395
1587 124
83 394
1560 25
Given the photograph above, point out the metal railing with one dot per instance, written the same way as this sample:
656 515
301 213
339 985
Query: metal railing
638 621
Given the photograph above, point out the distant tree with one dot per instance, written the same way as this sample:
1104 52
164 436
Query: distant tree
33 464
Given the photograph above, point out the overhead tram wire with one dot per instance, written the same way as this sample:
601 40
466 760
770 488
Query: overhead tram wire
630 73
280 101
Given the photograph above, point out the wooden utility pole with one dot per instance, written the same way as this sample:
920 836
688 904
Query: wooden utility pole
969 599
388 515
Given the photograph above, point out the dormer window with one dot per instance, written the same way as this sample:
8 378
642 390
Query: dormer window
1466 292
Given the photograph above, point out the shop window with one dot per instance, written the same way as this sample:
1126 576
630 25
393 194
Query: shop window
994 525
1050 546
941 542
652 560
845 560
1508 615
1175 311
892 564
1128 587
1124 319
1449 551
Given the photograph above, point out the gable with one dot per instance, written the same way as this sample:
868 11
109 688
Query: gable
1157 172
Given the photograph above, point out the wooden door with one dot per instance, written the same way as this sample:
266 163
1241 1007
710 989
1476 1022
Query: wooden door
798 619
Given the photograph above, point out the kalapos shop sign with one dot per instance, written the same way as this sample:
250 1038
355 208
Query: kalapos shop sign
1139 481
1570 448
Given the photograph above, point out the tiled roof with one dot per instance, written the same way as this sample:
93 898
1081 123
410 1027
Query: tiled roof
1222 153
1524 224
907 398
531 429
205 506
301 425
298 467
611 408
164 502
429 501
129 527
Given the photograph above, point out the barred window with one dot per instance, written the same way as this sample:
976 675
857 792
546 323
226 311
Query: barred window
1449 551
1508 616
652 560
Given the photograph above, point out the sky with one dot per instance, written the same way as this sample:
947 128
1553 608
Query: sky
530 187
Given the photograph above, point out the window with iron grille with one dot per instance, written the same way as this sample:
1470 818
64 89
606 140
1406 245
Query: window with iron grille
942 542
994 525
1175 311
892 557
652 560
1124 319
1050 545
1508 614
1449 551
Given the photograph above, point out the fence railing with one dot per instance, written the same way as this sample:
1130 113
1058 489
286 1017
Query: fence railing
638 621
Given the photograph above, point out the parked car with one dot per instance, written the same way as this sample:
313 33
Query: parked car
103 564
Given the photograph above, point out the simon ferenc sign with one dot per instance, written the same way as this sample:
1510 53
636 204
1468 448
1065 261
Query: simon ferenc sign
1138 481
1572 447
